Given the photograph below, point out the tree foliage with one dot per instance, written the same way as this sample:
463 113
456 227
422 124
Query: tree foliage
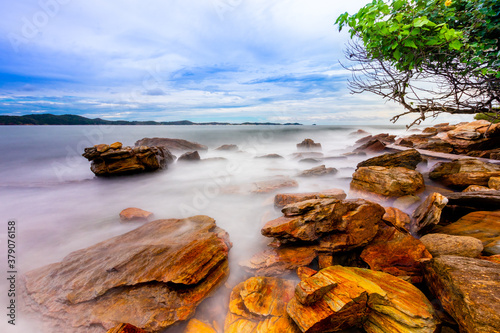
431 56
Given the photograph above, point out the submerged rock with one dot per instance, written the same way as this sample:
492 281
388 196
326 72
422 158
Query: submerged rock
132 213
150 277
190 156
230 147
408 159
171 144
273 184
387 181
309 144
318 171
372 146
464 172
283 199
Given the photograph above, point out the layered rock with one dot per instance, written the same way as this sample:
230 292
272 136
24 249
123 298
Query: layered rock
309 144
468 290
259 305
107 161
135 214
397 219
372 146
387 181
283 199
140 278
338 298
318 171
171 144
464 172
442 244
494 183
196 326
428 214
407 159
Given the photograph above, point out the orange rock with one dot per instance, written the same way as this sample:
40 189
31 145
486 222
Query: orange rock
305 272
130 214
464 172
116 145
396 218
101 148
273 184
283 199
494 183
196 326
476 188
125 328
387 181
428 214
495 258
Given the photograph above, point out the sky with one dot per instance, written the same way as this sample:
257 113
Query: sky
167 60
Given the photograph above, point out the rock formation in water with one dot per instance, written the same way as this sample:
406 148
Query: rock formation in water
464 172
176 145
308 144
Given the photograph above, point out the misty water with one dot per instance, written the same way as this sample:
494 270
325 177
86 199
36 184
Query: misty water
60 206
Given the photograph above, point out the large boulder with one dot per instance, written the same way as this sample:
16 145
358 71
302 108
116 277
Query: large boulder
442 244
387 181
178 145
464 172
107 161
428 214
468 289
338 298
150 277
283 199
408 159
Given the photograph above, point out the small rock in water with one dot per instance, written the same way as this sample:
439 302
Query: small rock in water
283 199
190 156
171 144
132 213
318 171
270 156
309 144
228 148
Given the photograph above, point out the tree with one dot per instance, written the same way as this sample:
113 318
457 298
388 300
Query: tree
431 56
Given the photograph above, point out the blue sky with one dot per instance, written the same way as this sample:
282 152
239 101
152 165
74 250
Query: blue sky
201 60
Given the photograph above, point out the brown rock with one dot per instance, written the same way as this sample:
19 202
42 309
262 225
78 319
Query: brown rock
494 258
259 305
111 282
318 171
131 214
442 244
305 272
430 130
468 290
190 156
404 142
428 214
482 200
171 144
397 219
283 199
273 184
407 201
359 132
476 188
102 148
436 145
494 183
407 159
309 144
307 154
372 146
228 148
473 130
270 156
196 326
389 182
125 328
464 172
115 145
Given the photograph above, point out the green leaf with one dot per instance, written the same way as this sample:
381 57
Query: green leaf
421 21
397 55
456 45
410 43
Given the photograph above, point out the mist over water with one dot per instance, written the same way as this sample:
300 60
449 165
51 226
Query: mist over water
60 206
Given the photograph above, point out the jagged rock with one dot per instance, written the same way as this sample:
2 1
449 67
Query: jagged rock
494 183
386 181
270 156
476 188
107 161
442 244
428 214
309 144
125 328
373 146
190 156
140 278
404 142
318 171
228 148
483 225
464 172
338 298
283 199
132 213
383 137
396 253
171 144
430 130
397 219
196 326
407 159
259 305
468 290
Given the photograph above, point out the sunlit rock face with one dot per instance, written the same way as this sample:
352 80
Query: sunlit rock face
387 181
464 172
150 277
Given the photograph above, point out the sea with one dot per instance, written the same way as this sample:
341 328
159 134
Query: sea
58 206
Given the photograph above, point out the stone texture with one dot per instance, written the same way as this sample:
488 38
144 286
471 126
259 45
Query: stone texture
442 244
476 188
428 214
318 171
258 305
132 213
482 200
229 147
372 146
190 156
196 326
309 144
338 298
126 160
469 290
273 184
125 328
397 219
283 199
494 183
406 202
407 159
150 277
115 145
386 181
464 172
171 144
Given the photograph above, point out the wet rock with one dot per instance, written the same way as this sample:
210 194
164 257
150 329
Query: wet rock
115 145
318 171
171 144
476 188
359 132
382 137
106 161
442 244
310 160
397 219
428 214
228 148
196 326
309 144
132 213
259 305
468 291
482 200
270 156
404 142
436 145
386 181
94 289
190 156
464 172
494 183
474 130
283 199
273 184
125 328
338 298
407 159
310 154
372 146
430 130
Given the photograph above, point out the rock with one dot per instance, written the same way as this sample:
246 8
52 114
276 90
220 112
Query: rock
396 253
309 154
359 132
476 188
404 142
383 137
318 171
428 214
436 145
406 202
483 225
338 298
494 258
482 200
102 148
196 326
494 183
397 219
283 199
310 160
228 148
430 130
442 244
190 156
407 159
273 262
474 130
140 278
464 172
271 156
132 213
309 144
372 146
386 181
125 328
171 144
116 145
305 272
468 290
259 305
273 184
126 160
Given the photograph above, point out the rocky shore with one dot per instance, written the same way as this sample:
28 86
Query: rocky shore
409 248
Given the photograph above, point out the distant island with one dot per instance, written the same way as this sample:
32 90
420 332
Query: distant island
71 119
